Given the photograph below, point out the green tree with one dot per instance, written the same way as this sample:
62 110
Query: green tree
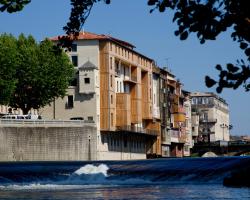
42 73
8 64
206 18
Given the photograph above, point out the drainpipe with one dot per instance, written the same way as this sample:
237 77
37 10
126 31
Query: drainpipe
54 109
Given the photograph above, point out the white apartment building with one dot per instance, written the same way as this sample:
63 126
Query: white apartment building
212 112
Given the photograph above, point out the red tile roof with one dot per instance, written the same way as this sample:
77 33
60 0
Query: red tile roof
92 36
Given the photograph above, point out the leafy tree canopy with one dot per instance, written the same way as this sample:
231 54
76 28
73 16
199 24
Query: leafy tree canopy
206 18
8 65
40 72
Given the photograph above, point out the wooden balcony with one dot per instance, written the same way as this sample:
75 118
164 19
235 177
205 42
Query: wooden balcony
131 79
179 117
177 136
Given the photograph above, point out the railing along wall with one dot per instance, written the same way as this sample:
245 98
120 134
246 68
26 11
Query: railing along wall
43 123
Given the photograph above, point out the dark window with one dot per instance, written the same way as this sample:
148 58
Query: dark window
111 99
70 101
74 60
74 47
90 118
111 62
87 80
112 119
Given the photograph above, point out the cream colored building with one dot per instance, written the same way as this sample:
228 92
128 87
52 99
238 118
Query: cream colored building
213 115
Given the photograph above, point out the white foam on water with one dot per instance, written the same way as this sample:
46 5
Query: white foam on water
38 186
92 169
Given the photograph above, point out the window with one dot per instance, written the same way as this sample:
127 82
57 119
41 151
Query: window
74 60
111 80
205 100
87 80
194 101
112 118
74 47
111 62
70 103
199 100
117 86
111 99
90 118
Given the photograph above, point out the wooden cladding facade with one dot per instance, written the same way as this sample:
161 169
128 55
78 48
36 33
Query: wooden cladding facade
120 108
123 109
107 90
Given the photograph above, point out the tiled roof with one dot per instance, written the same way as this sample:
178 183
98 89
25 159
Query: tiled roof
92 36
88 65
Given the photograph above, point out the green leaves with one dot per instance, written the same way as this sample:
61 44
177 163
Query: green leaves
8 65
209 82
39 73
232 77
13 5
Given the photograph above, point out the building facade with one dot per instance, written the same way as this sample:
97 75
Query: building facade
139 109
113 89
210 118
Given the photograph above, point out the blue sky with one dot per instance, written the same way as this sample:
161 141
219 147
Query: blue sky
152 34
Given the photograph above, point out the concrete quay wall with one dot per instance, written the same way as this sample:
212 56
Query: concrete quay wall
47 143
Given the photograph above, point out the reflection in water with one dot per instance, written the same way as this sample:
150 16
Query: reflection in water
170 192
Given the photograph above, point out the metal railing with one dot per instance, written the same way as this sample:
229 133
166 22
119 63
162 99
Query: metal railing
43 123
210 120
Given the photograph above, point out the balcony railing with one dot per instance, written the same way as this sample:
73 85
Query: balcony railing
132 79
210 120
177 137
174 136
138 130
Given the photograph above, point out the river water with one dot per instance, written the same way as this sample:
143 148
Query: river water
189 178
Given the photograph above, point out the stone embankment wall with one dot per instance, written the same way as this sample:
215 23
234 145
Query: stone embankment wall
47 143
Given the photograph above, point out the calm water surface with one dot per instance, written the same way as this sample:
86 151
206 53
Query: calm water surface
151 179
